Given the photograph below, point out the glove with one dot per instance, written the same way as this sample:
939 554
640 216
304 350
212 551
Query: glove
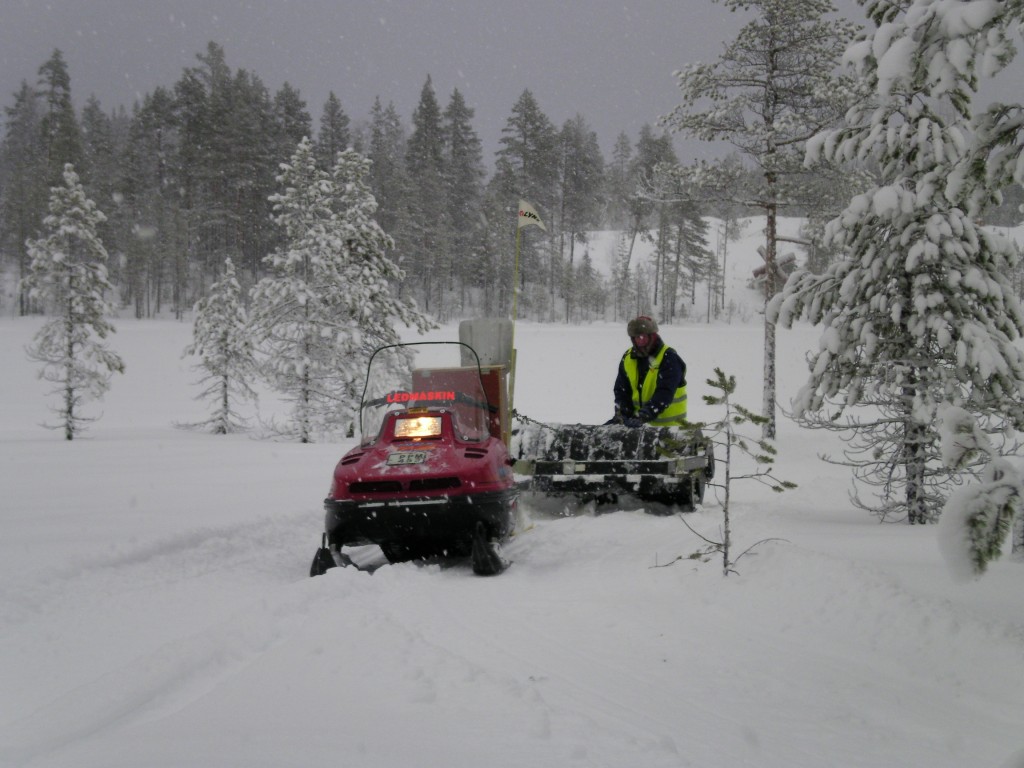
645 414
616 419
633 422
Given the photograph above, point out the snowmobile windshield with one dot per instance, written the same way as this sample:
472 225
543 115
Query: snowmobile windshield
422 382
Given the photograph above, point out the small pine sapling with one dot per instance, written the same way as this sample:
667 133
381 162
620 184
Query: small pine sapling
728 435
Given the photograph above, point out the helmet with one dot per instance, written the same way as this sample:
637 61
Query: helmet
639 326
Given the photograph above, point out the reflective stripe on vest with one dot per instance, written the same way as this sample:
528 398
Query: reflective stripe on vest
675 411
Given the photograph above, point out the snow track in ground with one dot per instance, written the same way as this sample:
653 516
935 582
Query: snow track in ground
582 652
83 617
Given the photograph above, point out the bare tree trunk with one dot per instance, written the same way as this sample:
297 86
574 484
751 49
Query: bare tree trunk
770 287
913 459
69 373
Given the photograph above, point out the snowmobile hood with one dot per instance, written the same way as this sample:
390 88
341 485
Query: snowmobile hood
442 462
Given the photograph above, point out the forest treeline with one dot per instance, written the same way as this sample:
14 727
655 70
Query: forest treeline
872 139
186 176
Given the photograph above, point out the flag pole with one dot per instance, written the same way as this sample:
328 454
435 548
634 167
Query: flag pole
527 215
515 309
515 284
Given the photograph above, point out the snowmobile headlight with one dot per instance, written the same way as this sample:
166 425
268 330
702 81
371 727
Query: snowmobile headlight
419 426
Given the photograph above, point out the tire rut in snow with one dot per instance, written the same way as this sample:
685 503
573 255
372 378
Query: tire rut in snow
165 679
277 548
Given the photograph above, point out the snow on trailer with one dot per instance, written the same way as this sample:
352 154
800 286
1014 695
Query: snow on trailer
668 466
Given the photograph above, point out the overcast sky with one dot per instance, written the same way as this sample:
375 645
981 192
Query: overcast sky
609 60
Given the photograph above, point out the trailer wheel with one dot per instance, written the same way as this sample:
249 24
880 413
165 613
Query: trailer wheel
709 468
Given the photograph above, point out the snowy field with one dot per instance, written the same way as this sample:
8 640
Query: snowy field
155 608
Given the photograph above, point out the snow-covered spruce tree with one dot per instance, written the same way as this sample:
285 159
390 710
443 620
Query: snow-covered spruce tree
68 275
328 302
772 89
919 312
947 45
222 341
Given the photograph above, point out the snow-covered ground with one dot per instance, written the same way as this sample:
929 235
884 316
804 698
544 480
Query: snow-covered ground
155 608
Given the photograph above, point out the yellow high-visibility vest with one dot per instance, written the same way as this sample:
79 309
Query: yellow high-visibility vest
675 412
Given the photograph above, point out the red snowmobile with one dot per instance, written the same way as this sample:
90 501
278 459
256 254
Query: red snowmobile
434 475
431 477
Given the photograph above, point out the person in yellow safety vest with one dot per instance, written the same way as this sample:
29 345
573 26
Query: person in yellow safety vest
650 387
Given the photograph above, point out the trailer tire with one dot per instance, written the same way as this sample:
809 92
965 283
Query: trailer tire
709 468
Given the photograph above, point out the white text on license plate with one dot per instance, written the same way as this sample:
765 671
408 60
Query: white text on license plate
407 457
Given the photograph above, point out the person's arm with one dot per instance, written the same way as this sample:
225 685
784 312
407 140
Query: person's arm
623 393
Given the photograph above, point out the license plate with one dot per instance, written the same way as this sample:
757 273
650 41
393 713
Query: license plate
407 457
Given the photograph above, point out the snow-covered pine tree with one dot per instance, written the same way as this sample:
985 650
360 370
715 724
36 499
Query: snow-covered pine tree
948 45
62 136
68 275
328 301
364 269
23 188
526 166
464 176
690 250
429 256
334 135
293 309
494 250
389 181
222 341
293 119
772 89
580 198
919 312
650 210
682 239
619 184
157 234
